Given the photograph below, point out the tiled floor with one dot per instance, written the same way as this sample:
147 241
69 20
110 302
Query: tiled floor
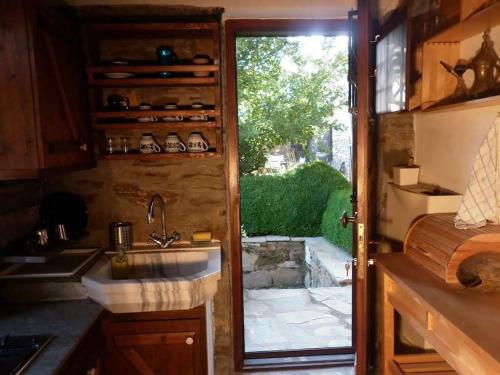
287 319
328 371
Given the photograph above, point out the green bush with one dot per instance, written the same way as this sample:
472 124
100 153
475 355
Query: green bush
338 202
291 204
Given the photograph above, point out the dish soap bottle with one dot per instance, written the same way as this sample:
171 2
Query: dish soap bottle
120 268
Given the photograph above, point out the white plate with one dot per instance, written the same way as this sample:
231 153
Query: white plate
118 75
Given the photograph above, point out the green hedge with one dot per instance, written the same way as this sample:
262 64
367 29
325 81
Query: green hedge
331 229
291 204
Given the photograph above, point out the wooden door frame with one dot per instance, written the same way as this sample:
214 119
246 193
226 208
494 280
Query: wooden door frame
253 27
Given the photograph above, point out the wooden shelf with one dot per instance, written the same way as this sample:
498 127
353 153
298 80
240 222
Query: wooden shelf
126 28
475 24
160 156
137 82
178 125
469 104
152 68
428 363
133 114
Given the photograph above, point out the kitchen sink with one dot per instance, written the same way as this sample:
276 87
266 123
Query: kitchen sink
181 277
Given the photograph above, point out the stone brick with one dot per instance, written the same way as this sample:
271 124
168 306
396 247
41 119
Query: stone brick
258 279
288 278
248 261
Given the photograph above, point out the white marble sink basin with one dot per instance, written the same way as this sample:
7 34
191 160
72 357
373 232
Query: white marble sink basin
177 278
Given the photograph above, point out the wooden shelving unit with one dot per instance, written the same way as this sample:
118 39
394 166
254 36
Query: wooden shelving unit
136 43
160 156
436 84
428 363
177 125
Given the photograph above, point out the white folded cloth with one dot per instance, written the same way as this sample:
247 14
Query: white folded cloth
481 200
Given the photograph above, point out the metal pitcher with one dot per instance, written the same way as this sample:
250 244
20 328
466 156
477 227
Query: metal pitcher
486 67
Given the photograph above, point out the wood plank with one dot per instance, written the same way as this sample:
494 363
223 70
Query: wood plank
164 26
152 68
133 114
462 319
475 24
177 125
469 104
160 156
139 82
437 83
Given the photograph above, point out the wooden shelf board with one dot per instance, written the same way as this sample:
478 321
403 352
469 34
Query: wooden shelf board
475 24
158 125
135 82
163 26
161 156
469 104
153 69
157 113
426 363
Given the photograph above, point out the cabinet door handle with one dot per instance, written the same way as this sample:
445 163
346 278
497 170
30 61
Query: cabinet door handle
83 147
189 341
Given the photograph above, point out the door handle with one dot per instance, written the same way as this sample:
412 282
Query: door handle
345 219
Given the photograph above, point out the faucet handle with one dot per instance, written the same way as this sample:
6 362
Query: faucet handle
176 236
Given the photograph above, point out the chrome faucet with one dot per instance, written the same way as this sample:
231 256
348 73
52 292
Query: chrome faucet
164 241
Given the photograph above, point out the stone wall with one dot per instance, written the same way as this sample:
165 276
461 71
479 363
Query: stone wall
273 262
395 144
196 201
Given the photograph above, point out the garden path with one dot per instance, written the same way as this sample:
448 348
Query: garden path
287 319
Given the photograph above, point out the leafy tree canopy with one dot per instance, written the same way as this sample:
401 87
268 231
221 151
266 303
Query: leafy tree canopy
285 96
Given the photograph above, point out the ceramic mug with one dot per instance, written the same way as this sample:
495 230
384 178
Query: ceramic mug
196 143
172 118
148 119
173 143
198 118
148 144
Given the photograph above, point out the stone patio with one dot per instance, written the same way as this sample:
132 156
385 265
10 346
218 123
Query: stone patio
288 319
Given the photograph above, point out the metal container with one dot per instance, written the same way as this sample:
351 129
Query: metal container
61 232
120 236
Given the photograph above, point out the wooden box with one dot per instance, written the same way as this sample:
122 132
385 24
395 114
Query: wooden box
435 243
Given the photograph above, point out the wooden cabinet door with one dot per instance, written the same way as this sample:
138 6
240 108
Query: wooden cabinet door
170 347
18 146
60 91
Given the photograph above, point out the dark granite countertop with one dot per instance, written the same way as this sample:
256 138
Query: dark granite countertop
66 320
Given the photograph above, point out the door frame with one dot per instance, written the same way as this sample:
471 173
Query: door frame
261 27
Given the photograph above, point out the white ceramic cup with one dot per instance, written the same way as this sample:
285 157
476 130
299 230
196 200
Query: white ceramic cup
148 119
174 144
198 118
172 118
196 143
148 145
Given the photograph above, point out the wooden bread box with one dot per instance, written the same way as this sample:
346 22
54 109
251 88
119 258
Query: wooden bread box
433 242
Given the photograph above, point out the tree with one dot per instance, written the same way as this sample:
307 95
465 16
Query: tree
285 97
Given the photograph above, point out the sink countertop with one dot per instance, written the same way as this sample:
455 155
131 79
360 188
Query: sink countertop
68 321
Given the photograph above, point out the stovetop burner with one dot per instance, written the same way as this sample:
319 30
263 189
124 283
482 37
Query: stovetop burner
17 352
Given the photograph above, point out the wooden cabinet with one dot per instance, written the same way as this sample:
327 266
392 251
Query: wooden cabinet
43 113
86 358
156 343
166 343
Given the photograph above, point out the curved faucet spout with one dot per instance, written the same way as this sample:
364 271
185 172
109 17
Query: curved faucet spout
164 241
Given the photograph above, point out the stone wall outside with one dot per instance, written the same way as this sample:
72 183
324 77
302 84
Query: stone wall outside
273 262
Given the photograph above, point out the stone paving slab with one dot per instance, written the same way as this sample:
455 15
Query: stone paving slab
284 319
